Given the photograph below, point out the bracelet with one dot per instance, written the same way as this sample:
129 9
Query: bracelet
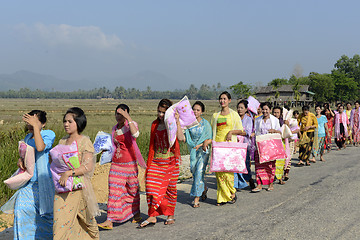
73 173
130 122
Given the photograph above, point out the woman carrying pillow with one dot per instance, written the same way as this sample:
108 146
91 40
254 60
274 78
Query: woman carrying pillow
265 172
226 126
198 138
33 213
75 211
162 169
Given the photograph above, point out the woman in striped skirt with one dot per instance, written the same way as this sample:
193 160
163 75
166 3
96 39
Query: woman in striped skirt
162 169
124 198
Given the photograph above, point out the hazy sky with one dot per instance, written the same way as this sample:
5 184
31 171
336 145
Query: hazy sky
188 41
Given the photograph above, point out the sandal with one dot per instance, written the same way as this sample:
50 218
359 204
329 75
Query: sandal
204 194
270 189
105 227
255 190
136 220
145 224
232 201
312 160
221 204
299 164
169 221
307 164
195 205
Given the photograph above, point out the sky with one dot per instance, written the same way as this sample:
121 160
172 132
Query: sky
190 42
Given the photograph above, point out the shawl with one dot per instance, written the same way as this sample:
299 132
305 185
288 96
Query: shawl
259 121
132 140
236 123
46 201
175 148
352 117
345 121
306 121
206 134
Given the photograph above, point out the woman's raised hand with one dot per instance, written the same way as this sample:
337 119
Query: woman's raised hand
124 113
32 120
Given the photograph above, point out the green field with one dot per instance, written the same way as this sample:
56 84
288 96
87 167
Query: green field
100 117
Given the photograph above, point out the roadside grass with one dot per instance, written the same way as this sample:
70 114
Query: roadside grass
100 117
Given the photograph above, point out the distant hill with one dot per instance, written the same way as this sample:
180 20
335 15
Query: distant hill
31 80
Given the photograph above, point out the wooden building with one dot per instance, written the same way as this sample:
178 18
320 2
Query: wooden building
285 95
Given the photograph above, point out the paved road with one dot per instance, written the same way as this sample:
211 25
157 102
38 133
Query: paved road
318 202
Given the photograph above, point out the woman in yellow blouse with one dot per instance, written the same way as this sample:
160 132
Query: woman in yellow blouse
308 123
226 125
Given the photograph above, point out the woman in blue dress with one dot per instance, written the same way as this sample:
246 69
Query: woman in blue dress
33 212
198 138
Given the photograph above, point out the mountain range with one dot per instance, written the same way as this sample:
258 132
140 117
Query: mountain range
33 81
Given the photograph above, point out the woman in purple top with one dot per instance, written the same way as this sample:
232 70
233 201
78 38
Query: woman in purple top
248 125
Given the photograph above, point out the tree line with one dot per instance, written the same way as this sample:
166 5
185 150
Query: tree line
204 92
342 84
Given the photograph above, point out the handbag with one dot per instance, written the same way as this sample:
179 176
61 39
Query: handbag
21 177
270 147
228 157
304 139
286 131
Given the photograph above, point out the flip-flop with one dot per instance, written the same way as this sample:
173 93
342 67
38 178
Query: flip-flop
195 205
204 195
256 190
147 224
137 220
232 201
270 189
105 227
167 222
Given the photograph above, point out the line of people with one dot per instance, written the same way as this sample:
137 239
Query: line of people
43 211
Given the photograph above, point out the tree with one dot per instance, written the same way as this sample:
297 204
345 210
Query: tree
322 85
277 82
241 90
192 92
349 66
345 88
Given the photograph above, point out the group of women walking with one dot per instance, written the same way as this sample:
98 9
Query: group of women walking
59 202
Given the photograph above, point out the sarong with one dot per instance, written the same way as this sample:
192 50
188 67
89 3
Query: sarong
71 218
305 149
265 172
124 197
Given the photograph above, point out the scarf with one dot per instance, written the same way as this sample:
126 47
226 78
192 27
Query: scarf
132 140
344 120
205 134
236 123
175 148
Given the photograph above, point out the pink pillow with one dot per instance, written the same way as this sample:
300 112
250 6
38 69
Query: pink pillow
253 104
21 177
228 157
187 118
270 147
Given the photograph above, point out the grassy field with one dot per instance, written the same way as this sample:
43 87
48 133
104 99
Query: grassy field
100 117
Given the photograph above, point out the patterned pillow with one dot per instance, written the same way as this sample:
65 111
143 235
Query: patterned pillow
21 177
187 118
103 145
